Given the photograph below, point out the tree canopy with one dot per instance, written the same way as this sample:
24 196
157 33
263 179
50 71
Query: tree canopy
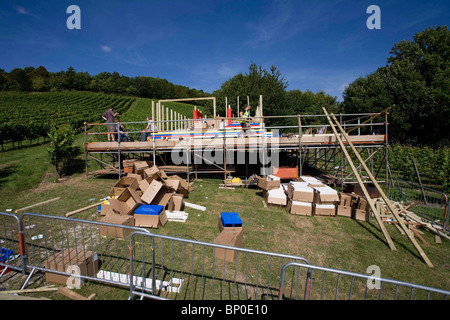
415 83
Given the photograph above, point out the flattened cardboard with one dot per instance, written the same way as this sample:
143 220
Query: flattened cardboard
299 208
135 175
111 231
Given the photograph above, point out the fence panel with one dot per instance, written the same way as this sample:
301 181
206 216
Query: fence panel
429 203
48 236
11 237
319 283
182 269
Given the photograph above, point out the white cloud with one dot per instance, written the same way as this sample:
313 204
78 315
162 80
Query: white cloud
22 10
106 48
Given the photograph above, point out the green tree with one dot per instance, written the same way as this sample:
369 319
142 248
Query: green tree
415 84
61 149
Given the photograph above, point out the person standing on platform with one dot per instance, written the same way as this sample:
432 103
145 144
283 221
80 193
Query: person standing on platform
151 127
108 116
245 122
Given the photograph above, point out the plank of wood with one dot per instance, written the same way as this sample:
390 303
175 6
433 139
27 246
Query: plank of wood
437 239
419 236
68 214
37 204
194 206
72 295
43 289
383 195
360 182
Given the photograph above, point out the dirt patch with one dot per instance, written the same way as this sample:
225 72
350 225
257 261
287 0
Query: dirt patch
47 183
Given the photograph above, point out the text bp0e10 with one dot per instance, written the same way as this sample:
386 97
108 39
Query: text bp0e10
245 309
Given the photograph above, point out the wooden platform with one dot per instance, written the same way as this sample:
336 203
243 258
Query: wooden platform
283 142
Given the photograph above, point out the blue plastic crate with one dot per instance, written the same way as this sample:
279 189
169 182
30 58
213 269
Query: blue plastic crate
150 209
6 254
99 209
230 219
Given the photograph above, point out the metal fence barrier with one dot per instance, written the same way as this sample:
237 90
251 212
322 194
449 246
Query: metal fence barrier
429 203
182 269
319 283
164 267
47 236
11 243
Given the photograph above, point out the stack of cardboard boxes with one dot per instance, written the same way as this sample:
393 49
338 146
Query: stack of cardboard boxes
273 192
231 234
309 196
141 198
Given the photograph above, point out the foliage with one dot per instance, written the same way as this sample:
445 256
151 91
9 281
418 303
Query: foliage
61 149
432 164
415 84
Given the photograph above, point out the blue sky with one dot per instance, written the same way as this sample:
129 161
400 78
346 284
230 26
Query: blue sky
316 45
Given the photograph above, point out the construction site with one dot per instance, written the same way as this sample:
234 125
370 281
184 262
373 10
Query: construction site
326 166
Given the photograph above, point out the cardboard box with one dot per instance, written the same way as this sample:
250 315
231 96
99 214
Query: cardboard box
325 195
361 215
299 208
122 185
106 209
150 216
175 202
152 191
126 203
118 219
324 209
344 211
86 261
266 184
363 204
345 199
184 187
232 237
275 197
310 180
298 191
135 175
140 166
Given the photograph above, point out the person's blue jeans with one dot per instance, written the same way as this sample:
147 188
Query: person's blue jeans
144 136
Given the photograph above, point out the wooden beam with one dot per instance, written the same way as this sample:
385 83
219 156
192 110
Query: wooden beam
73 295
383 195
37 204
43 289
68 214
363 187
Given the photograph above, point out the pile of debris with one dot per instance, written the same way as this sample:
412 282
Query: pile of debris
310 197
146 197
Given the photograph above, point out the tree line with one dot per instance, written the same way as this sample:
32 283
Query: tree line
30 79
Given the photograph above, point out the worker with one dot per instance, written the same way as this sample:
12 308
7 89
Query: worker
108 116
245 122
151 127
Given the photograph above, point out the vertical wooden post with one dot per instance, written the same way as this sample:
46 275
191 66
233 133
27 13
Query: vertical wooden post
167 118
153 110
171 119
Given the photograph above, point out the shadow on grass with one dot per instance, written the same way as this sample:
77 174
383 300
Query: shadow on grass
6 171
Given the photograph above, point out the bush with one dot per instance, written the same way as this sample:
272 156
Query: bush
61 149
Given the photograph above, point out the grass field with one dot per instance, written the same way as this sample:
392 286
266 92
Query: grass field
336 242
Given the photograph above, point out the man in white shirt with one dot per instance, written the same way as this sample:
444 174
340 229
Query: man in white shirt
151 127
